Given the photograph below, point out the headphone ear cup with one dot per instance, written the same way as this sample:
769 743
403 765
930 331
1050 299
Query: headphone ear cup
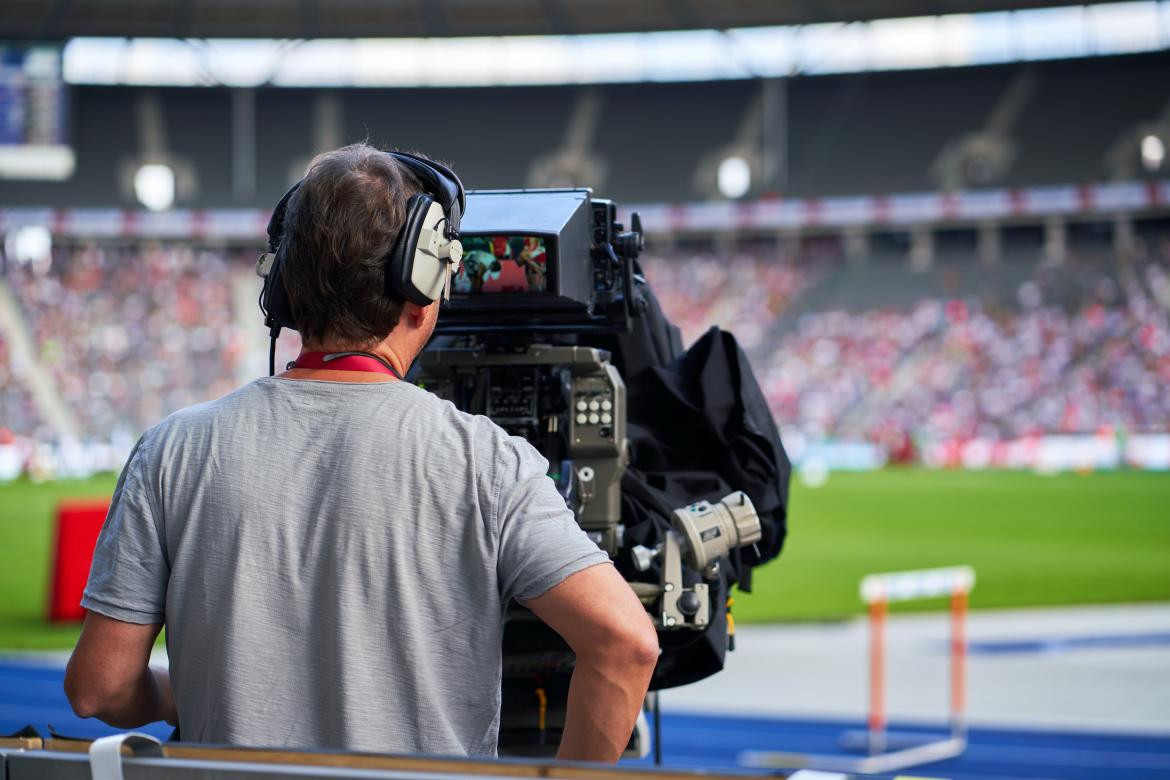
404 269
274 297
431 271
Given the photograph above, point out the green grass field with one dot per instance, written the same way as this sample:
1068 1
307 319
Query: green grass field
26 528
1033 540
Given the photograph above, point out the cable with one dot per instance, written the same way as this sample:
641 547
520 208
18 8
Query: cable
658 728
542 716
730 624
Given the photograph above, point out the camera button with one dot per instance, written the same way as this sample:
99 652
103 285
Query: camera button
593 418
606 418
606 405
582 405
582 419
594 406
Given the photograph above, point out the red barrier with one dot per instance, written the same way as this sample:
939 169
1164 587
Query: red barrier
77 528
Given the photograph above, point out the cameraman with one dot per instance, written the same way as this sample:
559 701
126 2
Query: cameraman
331 551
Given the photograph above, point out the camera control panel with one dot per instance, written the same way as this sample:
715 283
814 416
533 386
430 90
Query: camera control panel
568 401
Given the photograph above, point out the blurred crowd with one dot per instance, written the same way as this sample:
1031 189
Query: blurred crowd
741 288
955 370
129 333
1078 356
17 412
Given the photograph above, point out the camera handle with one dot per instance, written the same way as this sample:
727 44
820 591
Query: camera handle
703 532
622 251
680 607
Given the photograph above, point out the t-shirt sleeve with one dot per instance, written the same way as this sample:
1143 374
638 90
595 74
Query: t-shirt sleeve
128 579
540 542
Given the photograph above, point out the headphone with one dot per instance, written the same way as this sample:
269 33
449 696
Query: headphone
420 264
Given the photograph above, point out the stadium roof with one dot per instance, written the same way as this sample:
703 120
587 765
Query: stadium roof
56 19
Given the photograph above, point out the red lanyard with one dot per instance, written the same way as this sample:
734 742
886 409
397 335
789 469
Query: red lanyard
344 361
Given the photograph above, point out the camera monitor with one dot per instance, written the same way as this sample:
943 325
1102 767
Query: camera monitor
504 264
530 263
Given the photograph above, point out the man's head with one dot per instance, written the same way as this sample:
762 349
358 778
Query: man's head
340 227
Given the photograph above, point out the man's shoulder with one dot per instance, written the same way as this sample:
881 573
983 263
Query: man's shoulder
443 412
202 415
252 399
208 410
484 435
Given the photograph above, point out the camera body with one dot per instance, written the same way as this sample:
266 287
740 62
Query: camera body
547 279
567 401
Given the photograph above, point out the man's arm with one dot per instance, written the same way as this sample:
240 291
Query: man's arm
109 676
597 613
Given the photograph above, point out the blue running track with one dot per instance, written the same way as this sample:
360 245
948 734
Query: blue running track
31 694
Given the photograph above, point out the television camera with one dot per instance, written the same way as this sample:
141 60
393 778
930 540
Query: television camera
548 279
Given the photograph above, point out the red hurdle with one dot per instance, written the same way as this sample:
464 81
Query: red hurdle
878 591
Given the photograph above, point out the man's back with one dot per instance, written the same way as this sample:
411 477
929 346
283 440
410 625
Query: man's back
332 551
332 561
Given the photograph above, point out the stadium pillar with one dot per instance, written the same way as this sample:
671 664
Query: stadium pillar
1123 235
856 240
989 244
328 131
153 148
789 243
726 242
774 129
921 248
1055 240
244 145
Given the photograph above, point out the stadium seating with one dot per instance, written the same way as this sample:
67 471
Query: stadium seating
132 332
18 415
754 287
890 355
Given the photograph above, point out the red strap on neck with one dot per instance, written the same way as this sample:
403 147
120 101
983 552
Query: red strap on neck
343 361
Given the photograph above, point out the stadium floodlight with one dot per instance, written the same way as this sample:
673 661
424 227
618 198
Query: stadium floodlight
1153 151
734 177
29 244
154 186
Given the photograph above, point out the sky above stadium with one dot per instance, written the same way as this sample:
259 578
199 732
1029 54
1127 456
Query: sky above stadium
700 55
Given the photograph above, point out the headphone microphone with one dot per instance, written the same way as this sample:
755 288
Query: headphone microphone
419 266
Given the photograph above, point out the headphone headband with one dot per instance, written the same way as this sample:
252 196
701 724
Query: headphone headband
441 182
419 264
276 221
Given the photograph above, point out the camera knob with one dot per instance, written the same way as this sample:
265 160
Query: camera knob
643 556
688 603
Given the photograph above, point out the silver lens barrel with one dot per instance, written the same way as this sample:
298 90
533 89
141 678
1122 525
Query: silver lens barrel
714 530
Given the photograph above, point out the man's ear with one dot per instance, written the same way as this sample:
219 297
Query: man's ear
414 313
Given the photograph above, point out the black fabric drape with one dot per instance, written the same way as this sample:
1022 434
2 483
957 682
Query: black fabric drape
699 427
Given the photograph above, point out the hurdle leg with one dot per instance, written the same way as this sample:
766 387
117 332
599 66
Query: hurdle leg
877 676
959 663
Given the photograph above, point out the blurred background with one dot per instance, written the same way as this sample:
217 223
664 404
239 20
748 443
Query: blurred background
940 230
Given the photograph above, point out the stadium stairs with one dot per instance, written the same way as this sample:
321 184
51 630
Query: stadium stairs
40 384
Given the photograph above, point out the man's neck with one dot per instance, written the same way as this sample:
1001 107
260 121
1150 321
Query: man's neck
382 350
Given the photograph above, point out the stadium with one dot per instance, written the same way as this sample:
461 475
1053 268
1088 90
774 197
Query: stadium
938 232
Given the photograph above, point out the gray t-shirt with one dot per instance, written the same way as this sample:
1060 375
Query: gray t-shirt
332 561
